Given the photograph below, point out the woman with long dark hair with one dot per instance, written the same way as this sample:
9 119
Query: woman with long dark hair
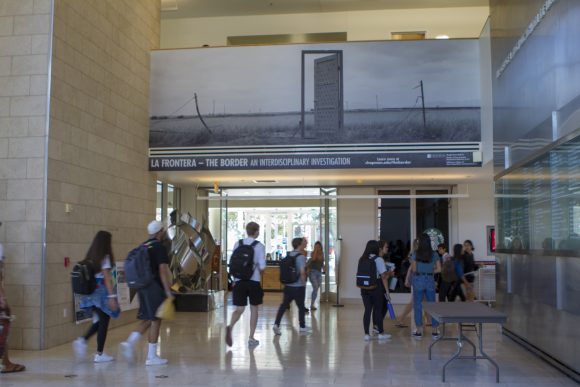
373 298
469 267
425 264
452 276
103 301
315 268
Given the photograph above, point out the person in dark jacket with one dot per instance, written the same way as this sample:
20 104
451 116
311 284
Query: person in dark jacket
469 268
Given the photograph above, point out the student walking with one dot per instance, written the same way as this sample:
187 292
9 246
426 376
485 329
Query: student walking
103 301
315 268
295 291
151 297
424 265
247 286
408 284
469 266
452 277
374 291
383 254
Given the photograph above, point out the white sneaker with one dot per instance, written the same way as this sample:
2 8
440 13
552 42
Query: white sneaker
253 342
103 358
276 329
375 331
384 336
304 330
155 361
367 337
127 351
80 348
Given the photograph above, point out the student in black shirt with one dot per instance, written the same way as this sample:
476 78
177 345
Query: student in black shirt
151 297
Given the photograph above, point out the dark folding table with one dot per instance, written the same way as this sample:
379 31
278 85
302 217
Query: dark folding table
464 313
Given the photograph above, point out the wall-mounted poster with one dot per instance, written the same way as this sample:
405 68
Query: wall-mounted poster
343 105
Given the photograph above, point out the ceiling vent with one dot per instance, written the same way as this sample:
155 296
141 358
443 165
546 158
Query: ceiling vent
265 181
169 5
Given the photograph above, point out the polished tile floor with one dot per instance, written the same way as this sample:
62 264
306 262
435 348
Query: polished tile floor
333 354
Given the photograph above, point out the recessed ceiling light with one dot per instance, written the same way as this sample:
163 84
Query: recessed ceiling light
442 37
264 181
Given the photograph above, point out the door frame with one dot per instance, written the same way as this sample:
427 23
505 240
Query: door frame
338 53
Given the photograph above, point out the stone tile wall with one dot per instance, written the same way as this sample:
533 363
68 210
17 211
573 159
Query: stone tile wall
98 140
24 47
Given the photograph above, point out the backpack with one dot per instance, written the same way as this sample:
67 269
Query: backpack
366 273
138 273
288 271
242 261
448 273
83 278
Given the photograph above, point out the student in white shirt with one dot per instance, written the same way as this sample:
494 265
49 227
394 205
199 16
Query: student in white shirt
103 301
251 289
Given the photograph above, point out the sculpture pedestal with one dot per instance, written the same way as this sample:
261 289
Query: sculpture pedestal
201 301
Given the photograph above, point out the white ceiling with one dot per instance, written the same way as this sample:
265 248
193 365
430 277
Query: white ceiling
329 178
212 8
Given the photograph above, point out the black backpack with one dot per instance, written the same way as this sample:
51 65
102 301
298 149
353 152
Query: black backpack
138 273
366 273
83 278
242 261
288 272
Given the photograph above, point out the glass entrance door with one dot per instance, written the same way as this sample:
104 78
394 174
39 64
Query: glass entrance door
406 215
311 214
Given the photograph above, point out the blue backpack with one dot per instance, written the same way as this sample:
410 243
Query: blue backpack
138 273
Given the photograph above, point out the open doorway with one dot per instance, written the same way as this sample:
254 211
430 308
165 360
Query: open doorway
283 214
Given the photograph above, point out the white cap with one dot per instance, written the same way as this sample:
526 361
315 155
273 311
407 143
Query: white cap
154 227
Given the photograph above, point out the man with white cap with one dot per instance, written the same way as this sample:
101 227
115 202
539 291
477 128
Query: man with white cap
151 297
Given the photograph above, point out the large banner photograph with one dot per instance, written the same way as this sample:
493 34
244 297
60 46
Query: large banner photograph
343 105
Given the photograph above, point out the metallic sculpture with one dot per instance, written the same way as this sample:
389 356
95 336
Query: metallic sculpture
192 247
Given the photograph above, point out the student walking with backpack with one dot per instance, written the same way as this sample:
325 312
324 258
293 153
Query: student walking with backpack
103 300
293 276
247 263
147 270
425 263
371 278
452 276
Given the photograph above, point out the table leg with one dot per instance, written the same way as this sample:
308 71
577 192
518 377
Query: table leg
441 336
467 339
484 355
456 354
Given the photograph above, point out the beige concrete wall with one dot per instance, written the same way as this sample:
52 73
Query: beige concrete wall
464 22
98 141
24 47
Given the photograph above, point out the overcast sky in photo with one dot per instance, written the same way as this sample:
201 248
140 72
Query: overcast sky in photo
268 78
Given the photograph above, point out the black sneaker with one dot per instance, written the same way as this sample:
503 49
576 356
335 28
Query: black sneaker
435 335
417 335
229 340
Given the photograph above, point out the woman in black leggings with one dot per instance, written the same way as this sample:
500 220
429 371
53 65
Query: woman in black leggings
372 296
103 301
